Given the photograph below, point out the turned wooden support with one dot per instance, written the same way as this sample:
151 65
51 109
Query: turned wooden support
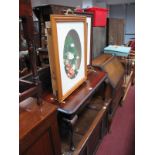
28 34
71 123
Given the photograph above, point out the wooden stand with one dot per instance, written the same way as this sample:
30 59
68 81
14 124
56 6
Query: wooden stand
82 115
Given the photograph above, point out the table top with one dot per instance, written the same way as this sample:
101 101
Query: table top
101 59
31 115
77 99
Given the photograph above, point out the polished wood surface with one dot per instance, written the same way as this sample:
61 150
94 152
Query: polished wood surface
115 71
80 95
31 91
38 129
98 61
112 66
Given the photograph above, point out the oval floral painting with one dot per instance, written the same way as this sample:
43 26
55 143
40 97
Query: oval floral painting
72 54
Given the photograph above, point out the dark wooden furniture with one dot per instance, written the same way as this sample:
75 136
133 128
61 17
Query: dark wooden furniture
43 56
27 89
82 115
25 13
38 129
36 123
43 14
114 84
115 31
92 126
71 105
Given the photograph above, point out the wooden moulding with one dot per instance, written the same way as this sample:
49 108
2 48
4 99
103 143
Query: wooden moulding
54 55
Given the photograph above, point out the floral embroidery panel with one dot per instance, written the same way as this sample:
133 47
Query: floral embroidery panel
72 54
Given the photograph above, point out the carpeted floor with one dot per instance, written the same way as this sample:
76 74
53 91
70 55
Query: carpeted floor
121 140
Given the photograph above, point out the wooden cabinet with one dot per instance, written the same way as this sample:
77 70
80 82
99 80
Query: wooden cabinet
115 31
38 129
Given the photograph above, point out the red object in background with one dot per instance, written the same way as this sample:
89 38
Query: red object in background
79 10
100 16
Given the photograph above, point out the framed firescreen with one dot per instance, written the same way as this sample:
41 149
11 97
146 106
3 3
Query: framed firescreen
67 54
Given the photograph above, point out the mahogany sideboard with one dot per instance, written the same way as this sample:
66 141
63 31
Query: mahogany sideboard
38 129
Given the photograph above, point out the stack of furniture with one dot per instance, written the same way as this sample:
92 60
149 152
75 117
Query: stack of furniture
76 125
115 36
38 129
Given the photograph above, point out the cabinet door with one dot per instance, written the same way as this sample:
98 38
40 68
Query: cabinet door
115 33
94 139
43 146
